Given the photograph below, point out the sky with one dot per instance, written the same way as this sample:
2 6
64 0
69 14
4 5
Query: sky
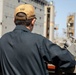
63 8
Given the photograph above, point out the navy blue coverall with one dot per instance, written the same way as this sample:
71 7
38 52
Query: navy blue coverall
25 53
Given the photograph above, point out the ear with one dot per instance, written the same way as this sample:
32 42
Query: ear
33 21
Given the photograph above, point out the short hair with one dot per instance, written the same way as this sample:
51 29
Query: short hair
21 19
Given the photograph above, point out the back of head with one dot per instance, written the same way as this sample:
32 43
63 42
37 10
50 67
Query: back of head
23 13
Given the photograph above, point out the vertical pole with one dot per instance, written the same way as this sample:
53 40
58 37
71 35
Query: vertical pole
51 31
45 20
1 16
74 24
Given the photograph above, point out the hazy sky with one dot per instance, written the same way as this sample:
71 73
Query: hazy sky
63 8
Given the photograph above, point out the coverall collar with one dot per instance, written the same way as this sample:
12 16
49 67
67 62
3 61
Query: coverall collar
22 27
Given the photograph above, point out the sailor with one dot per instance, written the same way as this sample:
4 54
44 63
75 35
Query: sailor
25 53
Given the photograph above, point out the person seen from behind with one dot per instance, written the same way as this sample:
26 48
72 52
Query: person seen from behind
25 53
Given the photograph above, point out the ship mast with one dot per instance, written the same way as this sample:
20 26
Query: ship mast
49 21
